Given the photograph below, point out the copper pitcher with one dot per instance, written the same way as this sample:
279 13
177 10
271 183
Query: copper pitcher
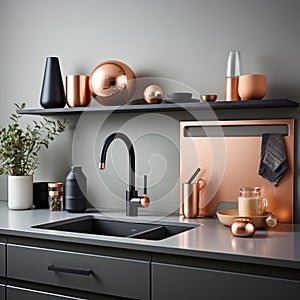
191 197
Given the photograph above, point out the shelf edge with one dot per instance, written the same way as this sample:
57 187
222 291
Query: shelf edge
244 104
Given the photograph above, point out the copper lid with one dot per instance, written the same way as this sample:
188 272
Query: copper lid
55 184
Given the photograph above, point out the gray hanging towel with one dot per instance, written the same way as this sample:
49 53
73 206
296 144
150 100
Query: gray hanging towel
273 160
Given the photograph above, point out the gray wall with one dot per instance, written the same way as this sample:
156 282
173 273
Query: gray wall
183 42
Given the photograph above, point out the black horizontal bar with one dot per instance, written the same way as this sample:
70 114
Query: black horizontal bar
235 130
164 107
69 270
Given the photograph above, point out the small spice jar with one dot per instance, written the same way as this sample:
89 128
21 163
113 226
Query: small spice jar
56 196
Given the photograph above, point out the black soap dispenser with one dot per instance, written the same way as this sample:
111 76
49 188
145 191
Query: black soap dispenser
75 190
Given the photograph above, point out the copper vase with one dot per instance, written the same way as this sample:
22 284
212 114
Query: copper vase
77 90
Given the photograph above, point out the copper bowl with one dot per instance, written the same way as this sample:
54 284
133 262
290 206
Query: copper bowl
112 83
227 217
209 97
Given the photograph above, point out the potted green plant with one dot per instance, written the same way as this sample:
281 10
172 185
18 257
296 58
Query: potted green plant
19 149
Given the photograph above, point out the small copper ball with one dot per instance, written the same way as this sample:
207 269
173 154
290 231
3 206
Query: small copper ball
242 227
153 94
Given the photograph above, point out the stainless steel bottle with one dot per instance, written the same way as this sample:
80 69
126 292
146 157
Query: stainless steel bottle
75 190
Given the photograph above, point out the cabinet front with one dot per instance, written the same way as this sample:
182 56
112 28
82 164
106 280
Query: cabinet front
14 293
2 259
121 277
181 282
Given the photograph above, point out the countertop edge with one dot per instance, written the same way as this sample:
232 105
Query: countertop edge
129 244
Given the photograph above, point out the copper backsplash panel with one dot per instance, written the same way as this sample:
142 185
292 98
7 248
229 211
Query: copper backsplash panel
231 162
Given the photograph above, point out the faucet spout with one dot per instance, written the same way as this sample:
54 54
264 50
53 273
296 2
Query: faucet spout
126 140
133 200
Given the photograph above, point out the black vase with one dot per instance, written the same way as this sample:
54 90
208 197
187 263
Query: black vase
53 93
75 190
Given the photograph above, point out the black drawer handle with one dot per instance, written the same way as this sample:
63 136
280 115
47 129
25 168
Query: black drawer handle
69 270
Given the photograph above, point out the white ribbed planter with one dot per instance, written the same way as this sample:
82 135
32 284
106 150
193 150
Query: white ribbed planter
20 192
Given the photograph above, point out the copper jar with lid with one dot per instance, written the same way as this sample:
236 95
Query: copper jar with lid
56 196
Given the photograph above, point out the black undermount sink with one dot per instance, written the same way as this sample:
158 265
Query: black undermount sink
94 225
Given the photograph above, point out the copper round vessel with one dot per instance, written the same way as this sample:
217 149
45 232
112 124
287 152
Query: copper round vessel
209 97
242 227
252 86
112 83
153 94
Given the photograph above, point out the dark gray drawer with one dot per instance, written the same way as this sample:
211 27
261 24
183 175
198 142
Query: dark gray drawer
2 292
13 293
181 282
95 273
2 259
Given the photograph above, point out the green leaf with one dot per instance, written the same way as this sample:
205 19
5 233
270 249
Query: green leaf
19 147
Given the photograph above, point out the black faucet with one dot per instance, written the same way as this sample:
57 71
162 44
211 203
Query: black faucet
133 201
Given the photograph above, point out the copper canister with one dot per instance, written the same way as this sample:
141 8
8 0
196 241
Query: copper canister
55 195
191 197
231 89
77 90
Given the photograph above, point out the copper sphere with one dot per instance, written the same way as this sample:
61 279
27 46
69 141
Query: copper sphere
242 227
112 83
153 94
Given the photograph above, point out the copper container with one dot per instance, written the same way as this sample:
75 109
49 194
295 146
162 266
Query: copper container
231 89
191 198
208 97
242 227
77 90
56 195
252 86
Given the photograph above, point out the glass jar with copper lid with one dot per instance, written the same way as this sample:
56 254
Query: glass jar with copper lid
56 196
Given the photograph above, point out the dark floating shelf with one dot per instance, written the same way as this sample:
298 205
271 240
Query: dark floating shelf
163 107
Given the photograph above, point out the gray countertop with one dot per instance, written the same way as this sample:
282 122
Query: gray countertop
279 246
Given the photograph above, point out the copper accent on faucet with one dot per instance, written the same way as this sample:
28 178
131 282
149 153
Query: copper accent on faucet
101 165
145 201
